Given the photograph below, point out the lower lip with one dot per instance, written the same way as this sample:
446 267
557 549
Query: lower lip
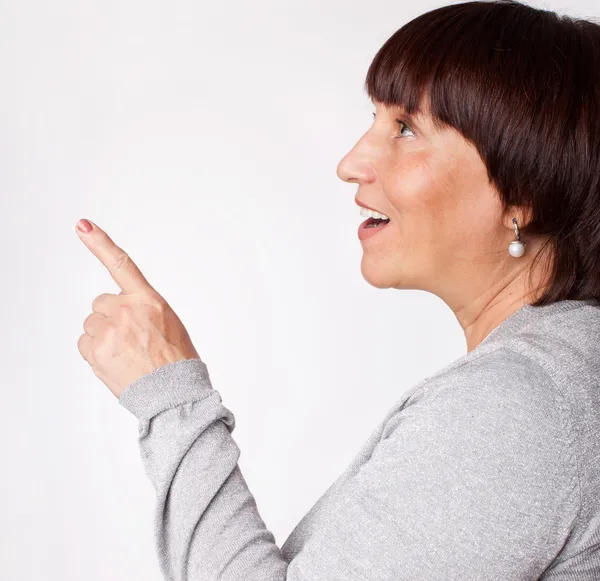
364 233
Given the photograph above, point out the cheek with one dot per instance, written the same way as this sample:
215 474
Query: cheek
434 200
422 196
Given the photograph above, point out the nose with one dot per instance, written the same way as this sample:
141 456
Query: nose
356 165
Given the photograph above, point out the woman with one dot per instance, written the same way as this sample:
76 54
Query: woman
484 155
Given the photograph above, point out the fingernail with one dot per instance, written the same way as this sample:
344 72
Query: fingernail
84 225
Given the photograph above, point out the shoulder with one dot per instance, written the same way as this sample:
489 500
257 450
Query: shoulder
500 375
500 395
497 416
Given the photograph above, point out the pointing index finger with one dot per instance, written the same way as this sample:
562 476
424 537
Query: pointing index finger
118 263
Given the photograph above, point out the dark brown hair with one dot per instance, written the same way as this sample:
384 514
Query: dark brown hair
523 85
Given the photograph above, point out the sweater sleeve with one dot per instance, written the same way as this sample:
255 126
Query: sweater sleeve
472 479
206 522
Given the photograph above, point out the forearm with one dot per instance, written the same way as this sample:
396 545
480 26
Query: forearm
207 525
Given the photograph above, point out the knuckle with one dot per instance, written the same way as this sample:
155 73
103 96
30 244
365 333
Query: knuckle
86 324
93 354
158 307
121 261
109 329
152 303
100 301
99 349
157 303
83 347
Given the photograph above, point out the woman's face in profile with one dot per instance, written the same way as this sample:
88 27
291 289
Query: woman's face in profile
432 184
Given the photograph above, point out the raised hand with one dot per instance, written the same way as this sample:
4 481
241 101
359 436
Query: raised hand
133 333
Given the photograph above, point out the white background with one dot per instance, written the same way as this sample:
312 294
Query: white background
204 138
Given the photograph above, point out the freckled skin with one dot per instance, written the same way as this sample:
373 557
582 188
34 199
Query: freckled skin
447 234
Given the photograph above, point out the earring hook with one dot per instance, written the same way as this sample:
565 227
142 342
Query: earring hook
516 228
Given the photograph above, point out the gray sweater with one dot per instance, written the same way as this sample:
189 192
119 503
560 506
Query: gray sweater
488 470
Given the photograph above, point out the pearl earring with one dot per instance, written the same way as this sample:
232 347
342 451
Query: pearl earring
517 247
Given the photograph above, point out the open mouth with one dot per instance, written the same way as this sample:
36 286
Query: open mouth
371 226
374 222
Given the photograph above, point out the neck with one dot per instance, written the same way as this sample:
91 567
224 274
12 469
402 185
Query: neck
479 314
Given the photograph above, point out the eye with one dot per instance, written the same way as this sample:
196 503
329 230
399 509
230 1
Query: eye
402 126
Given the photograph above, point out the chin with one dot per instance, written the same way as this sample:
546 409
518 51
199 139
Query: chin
382 273
376 273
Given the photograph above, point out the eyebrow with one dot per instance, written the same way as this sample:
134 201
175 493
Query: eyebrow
400 111
410 119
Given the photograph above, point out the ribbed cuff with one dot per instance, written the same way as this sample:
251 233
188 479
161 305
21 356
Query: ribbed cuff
168 386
